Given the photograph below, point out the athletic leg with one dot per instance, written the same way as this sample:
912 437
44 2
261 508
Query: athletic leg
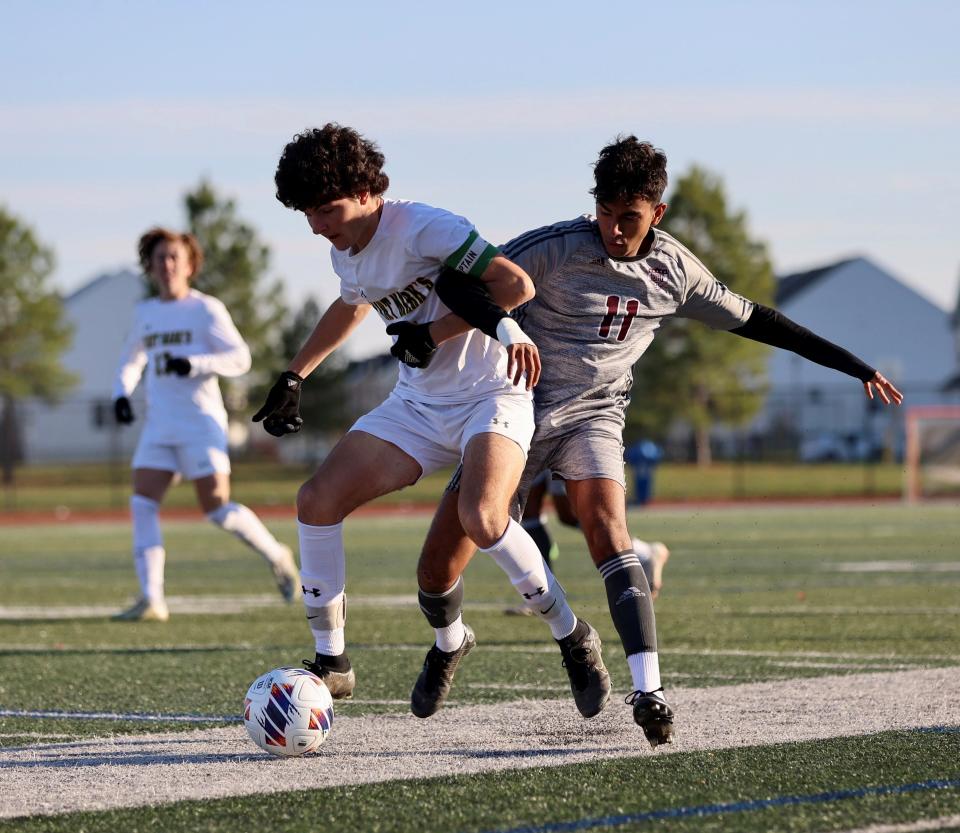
601 507
149 556
491 469
213 495
360 468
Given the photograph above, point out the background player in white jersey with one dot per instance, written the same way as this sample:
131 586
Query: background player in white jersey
181 341
461 400
604 284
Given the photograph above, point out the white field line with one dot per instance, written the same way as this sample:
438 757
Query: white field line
792 610
519 648
206 605
839 666
153 769
941 823
893 566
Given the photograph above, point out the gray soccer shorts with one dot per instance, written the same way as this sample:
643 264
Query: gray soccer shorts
593 451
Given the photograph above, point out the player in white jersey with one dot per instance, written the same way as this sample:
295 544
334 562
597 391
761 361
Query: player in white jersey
604 284
181 341
461 399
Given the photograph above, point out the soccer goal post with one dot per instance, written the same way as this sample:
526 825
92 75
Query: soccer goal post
932 464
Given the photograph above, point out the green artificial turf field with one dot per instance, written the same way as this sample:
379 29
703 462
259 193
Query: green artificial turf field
758 595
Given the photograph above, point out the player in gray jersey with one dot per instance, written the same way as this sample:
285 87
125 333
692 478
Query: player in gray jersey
604 284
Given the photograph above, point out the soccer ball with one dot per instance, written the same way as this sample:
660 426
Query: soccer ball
288 711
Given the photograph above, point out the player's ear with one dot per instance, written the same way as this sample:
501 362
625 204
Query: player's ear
658 212
363 197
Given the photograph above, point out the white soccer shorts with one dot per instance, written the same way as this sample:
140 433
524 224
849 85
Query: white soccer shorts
436 435
192 460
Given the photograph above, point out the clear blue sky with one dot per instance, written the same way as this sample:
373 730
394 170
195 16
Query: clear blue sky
834 125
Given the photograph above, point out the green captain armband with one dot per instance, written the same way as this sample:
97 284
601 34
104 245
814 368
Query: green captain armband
473 257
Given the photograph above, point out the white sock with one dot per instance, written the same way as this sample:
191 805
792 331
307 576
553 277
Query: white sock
148 552
331 643
451 637
645 671
154 559
245 525
643 550
518 556
323 575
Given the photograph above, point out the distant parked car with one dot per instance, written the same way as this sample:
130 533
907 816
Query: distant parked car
832 447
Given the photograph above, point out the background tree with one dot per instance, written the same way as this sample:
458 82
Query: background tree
691 373
33 334
236 269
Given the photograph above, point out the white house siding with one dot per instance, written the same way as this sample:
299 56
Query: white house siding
866 310
101 313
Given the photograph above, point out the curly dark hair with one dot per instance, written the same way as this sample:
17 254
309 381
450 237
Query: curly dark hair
328 163
152 238
628 168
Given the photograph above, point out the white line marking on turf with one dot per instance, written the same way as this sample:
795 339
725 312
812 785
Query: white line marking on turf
941 823
894 567
151 769
132 716
206 605
840 666
792 610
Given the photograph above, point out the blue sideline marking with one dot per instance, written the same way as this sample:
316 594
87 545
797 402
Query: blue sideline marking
147 718
735 807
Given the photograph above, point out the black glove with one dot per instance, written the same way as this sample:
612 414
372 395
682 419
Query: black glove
178 365
281 412
122 410
414 345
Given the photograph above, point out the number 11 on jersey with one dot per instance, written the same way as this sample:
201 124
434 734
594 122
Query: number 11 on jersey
613 309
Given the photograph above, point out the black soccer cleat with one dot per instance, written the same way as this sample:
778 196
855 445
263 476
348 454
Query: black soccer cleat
652 714
589 680
433 685
340 681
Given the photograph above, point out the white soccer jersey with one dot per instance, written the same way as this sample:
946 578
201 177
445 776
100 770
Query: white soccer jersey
395 273
197 327
594 316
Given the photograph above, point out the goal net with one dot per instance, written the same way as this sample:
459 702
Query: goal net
932 452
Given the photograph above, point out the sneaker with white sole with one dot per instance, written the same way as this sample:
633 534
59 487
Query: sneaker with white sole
287 576
433 685
652 713
144 610
583 659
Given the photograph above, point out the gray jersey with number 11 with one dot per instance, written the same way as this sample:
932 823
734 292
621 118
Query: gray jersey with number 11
594 315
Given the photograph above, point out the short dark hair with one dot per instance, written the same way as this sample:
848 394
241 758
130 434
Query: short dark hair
628 168
328 163
149 240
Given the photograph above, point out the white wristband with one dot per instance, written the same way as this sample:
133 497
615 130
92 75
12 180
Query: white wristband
509 332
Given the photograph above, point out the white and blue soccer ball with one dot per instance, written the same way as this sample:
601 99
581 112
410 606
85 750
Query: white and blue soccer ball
288 711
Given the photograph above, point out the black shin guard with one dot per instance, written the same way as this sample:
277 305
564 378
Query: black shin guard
442 609
628 595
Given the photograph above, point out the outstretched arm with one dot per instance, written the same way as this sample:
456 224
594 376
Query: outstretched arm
772 327
484 302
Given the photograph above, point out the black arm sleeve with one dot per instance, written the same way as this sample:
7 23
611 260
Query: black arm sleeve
770 327
468 297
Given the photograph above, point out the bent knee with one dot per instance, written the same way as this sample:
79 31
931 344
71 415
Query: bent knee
318 506
485 525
